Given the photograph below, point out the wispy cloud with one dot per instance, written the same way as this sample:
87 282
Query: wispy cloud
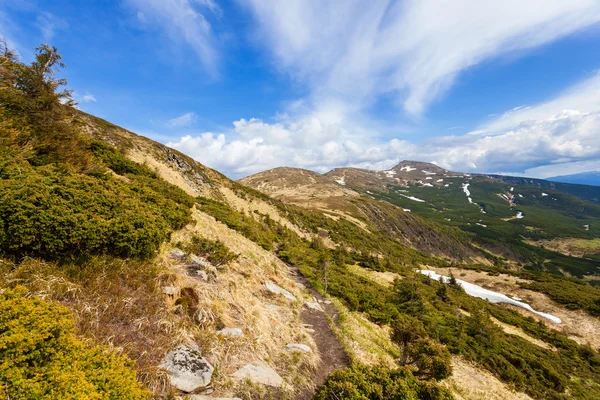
88 97
183 121
49 24
183 21
414 49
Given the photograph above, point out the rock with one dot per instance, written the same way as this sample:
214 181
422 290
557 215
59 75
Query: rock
273 288
327 302
259 374
170 290
188 370
230 332
272 307
203 397
314 306
202 275
298 348
197 261
176 253
310 330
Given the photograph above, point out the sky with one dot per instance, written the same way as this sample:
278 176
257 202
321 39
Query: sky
494 86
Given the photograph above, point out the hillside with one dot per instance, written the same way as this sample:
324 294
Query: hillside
134 272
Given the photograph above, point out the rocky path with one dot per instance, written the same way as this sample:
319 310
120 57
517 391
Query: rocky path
332 354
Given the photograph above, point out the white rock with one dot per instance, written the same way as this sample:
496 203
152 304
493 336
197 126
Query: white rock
230 332
298 348
259 374
170 290
273 288
313 305
188 370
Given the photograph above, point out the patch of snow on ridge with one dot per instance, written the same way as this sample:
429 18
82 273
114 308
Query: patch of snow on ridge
440 180
406 209
519 215
520 195
512 189
341 181
465 188
412 198
491 296
428 172
484 225
428 184
544 194
407 168
390 173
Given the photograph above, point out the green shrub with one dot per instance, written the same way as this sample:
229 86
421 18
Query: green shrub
40 357
361 382
213 250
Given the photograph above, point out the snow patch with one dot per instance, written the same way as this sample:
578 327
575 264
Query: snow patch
512 189
493 297
428 184
465 188
428 178
407 168
406 209
520 195
519 215
440 180
544 194
412 198
341 181
428 172
484 225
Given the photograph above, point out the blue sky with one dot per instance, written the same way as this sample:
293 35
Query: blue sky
245 85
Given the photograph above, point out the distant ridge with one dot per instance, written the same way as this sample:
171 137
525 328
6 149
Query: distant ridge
585 178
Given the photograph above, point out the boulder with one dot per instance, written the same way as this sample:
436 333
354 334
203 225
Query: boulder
230 332
188 370
273 288
298 348
200 263
313 305
176 253
262 374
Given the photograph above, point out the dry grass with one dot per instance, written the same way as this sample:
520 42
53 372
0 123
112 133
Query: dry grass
364 341
471 383
162 169
577 325
570 246
250 207
381 278
237 298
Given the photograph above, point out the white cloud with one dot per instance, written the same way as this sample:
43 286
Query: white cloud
183 121
540 140
414 49
88 97
48 24
183 20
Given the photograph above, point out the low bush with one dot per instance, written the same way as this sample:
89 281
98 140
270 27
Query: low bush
213 250
41 358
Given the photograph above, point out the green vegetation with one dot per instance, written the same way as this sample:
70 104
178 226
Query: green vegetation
57 202
213 250
40 357
441 328
378 383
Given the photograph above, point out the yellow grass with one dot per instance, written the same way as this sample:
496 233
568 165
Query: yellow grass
381 278
471 383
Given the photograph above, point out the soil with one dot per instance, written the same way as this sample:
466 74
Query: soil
330 349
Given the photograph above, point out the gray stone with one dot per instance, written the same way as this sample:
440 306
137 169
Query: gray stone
171 290
298 348
188 370
262 374
202 275
230 332
197 261
314 306
176 253
273 288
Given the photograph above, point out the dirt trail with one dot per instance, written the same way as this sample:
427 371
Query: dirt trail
332 354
